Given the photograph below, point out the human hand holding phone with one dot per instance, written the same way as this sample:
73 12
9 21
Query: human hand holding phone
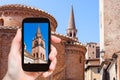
15 71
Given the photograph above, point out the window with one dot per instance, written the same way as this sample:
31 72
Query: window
36 43
16 13
68 42
94 79
6 13
37 55
70 34
0 14
98 70
41 55
1 22
89 45
93 46
93 52
80 59
34 54
114 78
41 44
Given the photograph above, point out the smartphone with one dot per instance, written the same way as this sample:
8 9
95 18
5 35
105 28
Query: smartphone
35 44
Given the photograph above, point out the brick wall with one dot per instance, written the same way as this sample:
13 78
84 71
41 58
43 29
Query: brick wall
111 27
6 36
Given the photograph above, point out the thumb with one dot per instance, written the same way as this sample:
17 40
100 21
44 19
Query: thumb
16 43
55 39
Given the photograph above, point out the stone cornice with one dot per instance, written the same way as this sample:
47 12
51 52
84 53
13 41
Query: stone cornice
64 37
17 9
76 44
9 27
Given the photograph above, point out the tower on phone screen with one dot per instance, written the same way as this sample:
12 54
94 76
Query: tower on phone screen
36 43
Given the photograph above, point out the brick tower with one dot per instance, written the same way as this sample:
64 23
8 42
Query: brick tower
75 54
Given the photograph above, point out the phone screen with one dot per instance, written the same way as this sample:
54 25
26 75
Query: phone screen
36 41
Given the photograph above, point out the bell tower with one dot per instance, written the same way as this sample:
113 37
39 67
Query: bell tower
38 48
71 30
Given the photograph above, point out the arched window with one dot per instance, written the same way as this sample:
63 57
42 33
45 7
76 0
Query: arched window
114 78
16 13
34 55
41 55
37 55
80 59
1 22
36 43
70 34
6 13
41 44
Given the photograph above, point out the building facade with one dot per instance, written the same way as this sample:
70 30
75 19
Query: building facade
92 62
93 50
110 39
92 69
70 50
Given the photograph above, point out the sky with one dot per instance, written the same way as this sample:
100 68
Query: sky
29 35
86 13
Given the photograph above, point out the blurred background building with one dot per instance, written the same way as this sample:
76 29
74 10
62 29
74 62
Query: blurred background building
92 62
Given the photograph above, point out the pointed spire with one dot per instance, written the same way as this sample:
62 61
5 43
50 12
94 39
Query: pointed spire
71 30
38 34
38 30
71 24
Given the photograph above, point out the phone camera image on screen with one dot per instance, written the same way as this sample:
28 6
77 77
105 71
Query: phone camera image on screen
36 41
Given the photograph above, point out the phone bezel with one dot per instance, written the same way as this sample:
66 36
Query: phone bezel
35 67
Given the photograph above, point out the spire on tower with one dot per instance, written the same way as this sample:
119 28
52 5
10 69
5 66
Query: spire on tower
38 34
71 24
71 30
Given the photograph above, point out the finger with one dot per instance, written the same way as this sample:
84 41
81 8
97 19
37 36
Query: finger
34 74
16 43
55 39
46 74
17 36
53 64
53 53
51 68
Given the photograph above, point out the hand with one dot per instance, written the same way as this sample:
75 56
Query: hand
15 71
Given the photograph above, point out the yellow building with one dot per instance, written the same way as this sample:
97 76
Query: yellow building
92 69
